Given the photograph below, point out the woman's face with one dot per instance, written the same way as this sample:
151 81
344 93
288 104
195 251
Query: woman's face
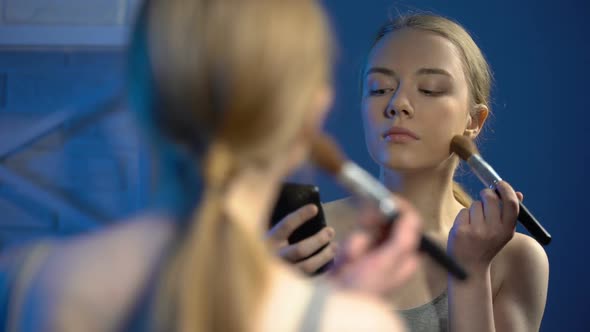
415 99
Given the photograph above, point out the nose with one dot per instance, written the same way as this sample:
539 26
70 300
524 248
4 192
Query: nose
399 105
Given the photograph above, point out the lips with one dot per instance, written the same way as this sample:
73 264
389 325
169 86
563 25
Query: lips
400 134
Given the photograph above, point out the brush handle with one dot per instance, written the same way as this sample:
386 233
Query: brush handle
441 257
363 184
526 218
532 225
490 179
429 247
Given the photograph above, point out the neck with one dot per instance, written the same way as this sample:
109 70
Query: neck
431 193
250 197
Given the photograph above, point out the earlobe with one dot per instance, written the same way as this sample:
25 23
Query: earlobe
471 133
470 130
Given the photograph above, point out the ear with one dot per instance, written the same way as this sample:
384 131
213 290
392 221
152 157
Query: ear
475 120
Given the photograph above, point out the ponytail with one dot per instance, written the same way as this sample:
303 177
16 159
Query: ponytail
461 195
219 270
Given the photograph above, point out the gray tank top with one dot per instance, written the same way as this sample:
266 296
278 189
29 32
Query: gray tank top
430 317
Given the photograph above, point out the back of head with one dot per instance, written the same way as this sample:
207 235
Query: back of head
231 82
237 72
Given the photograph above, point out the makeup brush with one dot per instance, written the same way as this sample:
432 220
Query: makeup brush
326 154
466 150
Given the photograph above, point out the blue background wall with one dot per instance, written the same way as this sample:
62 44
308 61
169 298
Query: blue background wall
538 51
537 137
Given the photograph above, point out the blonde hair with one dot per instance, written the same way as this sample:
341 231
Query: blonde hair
476 68
233 83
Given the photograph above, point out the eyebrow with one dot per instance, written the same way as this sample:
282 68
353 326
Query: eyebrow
433 71
381 70
421 71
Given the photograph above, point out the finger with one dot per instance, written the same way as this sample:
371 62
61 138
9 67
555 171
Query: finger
520 196
406 269
284 228
462 219
410 216
305 248
461 222
407 225
312 264
369 217
403 243
407 232
491 205
476 217
510 203
355 246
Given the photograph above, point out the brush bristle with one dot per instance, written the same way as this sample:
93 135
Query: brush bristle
326 155
463 146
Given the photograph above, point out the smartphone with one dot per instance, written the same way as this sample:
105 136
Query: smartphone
292 196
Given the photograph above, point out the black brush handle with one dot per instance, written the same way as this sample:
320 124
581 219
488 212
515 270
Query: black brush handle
429 247
441 257
532 225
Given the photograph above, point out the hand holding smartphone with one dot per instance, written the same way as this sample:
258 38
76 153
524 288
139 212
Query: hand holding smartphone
309 244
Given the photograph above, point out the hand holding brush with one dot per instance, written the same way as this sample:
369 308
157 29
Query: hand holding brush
327 156
466 150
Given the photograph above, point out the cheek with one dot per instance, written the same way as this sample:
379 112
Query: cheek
372 118
372 111
444 126
446 115
372 126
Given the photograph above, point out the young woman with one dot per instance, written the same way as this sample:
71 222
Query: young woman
231 94
425 81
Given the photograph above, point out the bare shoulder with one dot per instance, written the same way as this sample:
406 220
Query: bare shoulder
349 311
127 244
522 271
95 277
342 310
520 277
522 253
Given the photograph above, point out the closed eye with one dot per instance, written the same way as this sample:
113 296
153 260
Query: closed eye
430 92
379 92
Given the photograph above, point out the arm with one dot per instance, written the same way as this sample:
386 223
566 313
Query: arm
520 302
485 234
470 303
90 282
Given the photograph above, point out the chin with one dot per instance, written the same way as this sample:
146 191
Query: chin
398 162
406 162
